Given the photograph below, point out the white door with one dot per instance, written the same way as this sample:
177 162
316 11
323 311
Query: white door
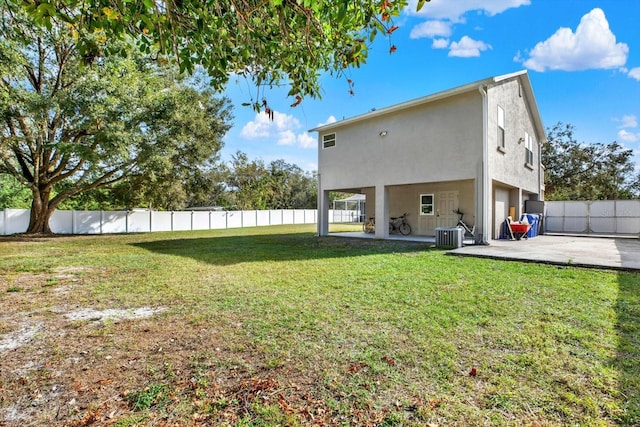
501 210
446 203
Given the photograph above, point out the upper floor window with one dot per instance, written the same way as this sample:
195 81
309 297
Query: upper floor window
500 128
528 146
426 204
329 140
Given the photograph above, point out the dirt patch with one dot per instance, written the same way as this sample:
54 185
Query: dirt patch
23 335
113 313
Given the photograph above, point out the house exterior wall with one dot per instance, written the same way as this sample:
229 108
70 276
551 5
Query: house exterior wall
439 141
406 198
508 165
447 145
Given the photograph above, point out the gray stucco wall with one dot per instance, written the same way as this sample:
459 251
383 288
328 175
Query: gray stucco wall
508 165
439 141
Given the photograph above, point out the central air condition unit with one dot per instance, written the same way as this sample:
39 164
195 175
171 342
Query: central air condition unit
449 237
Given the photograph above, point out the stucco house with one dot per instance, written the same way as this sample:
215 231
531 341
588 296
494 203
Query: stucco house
475 148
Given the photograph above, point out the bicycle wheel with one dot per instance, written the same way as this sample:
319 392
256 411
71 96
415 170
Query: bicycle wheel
405 229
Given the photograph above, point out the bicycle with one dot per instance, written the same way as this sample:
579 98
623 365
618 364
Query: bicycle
400 225
468 232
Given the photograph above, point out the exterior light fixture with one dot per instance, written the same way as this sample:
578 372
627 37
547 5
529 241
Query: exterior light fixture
383 133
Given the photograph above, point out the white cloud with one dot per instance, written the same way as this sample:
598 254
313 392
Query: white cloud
307 141
628 136
628 121
440 43
282 129
431 29
287 137
467 47
330 119
455 10
634 73
593 45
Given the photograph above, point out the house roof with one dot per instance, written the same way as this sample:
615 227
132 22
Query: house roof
522 75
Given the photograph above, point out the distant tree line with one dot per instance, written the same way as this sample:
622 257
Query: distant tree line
580 171
239 184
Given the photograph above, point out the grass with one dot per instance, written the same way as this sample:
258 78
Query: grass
274 326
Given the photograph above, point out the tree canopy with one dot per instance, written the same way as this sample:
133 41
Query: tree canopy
271 42
579 171
67 129
251 184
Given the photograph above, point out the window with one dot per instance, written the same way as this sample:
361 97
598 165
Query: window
329 140
528 145
500 128
426 204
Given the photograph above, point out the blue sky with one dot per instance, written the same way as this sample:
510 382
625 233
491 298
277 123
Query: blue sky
583 58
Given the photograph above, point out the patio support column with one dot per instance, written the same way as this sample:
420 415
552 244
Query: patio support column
382 212
520 208
484 186
323 210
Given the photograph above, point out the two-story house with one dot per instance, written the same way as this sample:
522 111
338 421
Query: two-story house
475 148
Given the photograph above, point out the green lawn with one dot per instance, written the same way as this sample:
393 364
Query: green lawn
274 326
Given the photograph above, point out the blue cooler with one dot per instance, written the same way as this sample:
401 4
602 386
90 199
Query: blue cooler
534 220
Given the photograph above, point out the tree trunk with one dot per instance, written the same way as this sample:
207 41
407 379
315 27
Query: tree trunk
40 213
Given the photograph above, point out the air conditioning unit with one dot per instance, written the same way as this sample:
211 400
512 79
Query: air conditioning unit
449 237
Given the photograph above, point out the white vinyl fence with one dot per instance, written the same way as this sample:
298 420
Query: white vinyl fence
14 221
601 217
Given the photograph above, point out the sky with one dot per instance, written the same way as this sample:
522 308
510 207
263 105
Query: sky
582 56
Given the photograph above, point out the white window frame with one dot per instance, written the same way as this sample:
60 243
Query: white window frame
329 140
501 132
528 150
426 205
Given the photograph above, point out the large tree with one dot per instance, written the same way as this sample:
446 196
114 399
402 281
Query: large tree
269 41
67 129
580 171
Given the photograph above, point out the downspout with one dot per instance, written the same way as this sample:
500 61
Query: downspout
481 239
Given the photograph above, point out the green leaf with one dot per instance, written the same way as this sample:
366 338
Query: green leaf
421 4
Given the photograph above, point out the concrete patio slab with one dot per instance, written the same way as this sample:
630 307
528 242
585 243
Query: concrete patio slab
600 252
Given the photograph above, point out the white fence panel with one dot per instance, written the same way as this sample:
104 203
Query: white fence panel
275 217
181 221
16 220
234 219
218 220
628 214
61 222
86 222
114 221
200 220
310 216
140 221
298 217
287 217
604 217
344 215
249 219
161 221
263 218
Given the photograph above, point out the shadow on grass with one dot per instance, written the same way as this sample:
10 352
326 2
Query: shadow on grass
229 250
628 358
